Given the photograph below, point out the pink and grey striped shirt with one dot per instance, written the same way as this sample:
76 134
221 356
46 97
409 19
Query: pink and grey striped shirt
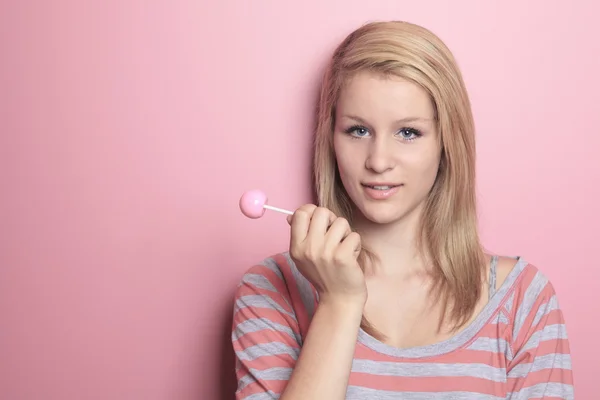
516 348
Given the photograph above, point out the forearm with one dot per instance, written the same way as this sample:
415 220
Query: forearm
323 366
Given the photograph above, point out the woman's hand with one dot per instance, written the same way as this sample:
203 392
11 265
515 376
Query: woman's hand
325 251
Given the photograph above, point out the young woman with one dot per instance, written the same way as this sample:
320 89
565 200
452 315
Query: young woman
386 291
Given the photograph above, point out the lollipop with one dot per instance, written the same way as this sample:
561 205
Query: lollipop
253 204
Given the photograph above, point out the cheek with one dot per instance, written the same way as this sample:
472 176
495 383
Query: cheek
344 157
344 164
423 167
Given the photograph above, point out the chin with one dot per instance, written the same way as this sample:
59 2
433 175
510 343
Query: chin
386 213
382 215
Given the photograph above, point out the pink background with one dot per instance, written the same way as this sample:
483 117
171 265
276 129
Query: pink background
129 130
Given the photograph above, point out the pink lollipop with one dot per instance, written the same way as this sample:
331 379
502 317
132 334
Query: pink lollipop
254 204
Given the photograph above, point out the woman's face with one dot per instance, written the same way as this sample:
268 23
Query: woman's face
386 145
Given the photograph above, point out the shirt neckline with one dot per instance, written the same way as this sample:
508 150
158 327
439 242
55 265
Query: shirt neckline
458 340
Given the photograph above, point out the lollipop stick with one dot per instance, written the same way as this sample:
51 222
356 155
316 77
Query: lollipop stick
281 210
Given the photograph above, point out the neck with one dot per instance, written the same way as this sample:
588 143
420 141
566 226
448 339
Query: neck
394 244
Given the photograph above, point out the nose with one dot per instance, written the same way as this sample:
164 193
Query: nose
380 155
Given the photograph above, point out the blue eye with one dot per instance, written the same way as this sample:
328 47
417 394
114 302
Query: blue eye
409 133
357 131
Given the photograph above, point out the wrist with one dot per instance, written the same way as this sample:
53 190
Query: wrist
351 306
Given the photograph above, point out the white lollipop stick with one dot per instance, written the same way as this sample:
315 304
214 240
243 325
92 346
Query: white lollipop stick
281 210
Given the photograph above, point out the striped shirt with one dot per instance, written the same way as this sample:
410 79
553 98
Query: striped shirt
516 348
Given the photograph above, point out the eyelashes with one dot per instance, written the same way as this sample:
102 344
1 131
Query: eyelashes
406 133
354 129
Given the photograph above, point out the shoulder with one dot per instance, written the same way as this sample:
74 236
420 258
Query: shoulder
267 276
526 293
276 272
521 277
530 284
269 268
504 267
274 290
277 276
530 302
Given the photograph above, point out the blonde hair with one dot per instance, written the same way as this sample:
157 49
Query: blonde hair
448 236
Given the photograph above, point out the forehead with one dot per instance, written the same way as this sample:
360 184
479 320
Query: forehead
376 95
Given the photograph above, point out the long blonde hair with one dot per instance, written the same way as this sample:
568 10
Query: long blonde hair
448 235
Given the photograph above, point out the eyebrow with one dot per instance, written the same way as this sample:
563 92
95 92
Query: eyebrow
400 121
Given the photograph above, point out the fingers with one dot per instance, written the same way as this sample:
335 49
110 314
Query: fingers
350 245
309 208
300 222
318 229
324 218
337 232
321 219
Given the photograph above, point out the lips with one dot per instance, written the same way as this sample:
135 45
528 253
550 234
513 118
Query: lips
380 191
381 186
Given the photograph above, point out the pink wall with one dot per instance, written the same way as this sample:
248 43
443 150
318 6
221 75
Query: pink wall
129 129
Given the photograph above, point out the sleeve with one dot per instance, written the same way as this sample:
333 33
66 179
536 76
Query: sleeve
265 334
541 364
